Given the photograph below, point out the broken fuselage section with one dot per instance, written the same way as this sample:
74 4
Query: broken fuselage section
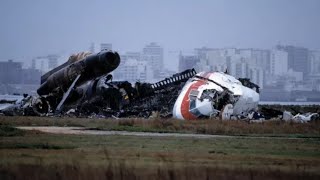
211 94
74 80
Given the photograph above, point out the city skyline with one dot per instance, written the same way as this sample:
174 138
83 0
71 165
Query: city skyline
276 71
27 62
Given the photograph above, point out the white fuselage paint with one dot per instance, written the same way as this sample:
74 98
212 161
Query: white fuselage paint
247 98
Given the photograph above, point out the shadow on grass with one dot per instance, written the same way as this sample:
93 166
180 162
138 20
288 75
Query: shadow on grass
33 146
6 131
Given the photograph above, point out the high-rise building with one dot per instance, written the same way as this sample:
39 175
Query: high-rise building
52 61
133 71
202 52
40 63
278 62
132 68
187 62
133 55
210 59
10 72
105 46
314 62
256 75
261 57
124 58
31 76
215 57
298 59
153 54
255 57
242 70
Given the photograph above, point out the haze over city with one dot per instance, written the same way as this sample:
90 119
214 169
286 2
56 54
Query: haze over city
274 43
41 27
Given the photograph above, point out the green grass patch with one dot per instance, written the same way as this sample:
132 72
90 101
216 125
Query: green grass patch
91 156
6 130
32 146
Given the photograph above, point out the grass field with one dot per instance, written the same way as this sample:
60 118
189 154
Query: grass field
213 126
36 155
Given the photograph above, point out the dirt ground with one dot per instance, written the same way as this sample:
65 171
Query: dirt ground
86 131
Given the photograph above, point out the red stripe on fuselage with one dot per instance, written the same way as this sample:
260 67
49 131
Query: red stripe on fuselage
185 104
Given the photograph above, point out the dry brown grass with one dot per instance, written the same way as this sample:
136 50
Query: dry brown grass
293 108
162 165
209 126
122 170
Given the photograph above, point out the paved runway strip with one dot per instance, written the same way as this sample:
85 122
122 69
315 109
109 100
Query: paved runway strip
86 131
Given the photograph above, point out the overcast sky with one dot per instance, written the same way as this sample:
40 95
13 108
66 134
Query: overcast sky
39 27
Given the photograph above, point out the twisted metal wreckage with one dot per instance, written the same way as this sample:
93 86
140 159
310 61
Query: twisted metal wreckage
83 87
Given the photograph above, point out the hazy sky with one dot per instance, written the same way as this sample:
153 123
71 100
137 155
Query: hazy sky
39 27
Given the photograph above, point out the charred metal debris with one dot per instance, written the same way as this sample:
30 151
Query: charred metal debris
121 99
106 98
84 87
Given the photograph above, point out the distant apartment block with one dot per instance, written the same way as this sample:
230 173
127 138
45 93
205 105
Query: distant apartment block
52 61
187 62
153 54
31 76
278 62
131 55
45 63
105 46
314 62
133 70
298 58
10 72
241 63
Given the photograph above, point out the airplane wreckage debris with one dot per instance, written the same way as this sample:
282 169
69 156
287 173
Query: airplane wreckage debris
83 87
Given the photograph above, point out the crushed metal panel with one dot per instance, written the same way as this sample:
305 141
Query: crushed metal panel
228 90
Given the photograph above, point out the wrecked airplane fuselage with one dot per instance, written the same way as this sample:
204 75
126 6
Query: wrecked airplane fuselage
209 94
89 68
83 87
72 77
